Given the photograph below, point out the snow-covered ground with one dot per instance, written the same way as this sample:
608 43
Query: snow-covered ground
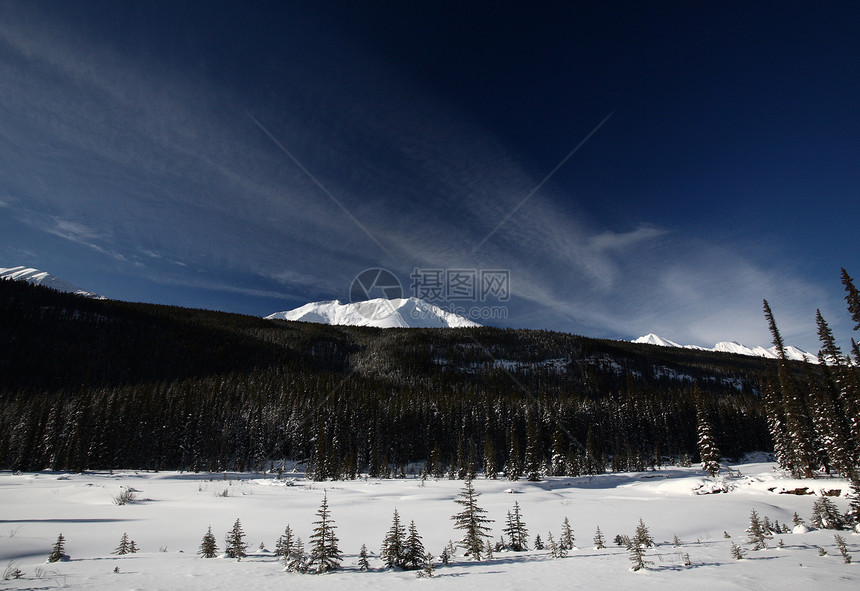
176 508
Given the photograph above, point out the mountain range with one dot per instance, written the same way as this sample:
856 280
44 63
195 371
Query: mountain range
399 313
791 352
380 312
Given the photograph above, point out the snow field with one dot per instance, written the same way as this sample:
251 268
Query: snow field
175 509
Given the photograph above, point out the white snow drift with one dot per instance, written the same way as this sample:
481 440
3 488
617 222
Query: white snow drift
174 511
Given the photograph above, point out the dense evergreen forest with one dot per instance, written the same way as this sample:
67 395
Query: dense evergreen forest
101 384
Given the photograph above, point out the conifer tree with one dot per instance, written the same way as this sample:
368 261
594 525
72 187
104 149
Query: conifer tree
363 564
559 453
853 514
538 543
285 543
491 466
551 545
567 538
797 423
593 460
643 537
428 567
132 547
123 547
737 552
599 541
676 542
758 536
296 560
472 521
444 557
325 554
514 467
58 550
235 543
393 545
515 530
637 552
843 549
413 555
825 514
208 546
533 460
852 297
708 450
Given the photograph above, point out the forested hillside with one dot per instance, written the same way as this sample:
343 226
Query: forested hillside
90 384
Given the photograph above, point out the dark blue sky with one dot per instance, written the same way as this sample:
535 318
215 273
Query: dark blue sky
140 155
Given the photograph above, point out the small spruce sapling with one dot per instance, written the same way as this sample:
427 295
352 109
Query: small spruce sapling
208 546
676 542
538 543
444 557
552 546
738 552
285 543
567 538
758 536
843 549
427 573
642 536
58 550
797 520
637 554
235 542
599 542
123 547
363 564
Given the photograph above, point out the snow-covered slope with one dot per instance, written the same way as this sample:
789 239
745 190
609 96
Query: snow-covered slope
382 313
37 277
652 339
791 352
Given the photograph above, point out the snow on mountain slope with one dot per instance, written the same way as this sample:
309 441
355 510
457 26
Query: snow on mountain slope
792 353
652 339
382 313
37 277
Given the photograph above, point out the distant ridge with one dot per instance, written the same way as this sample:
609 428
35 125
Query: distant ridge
37 277
380 312
791 352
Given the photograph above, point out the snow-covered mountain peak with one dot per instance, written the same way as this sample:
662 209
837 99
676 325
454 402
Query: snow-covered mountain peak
652 339
37 277
791 352
380 312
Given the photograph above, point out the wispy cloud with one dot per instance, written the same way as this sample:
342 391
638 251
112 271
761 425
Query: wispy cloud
158 167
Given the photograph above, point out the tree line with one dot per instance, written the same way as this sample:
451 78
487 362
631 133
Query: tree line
90 384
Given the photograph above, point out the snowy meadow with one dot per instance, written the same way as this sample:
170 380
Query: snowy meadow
169 513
